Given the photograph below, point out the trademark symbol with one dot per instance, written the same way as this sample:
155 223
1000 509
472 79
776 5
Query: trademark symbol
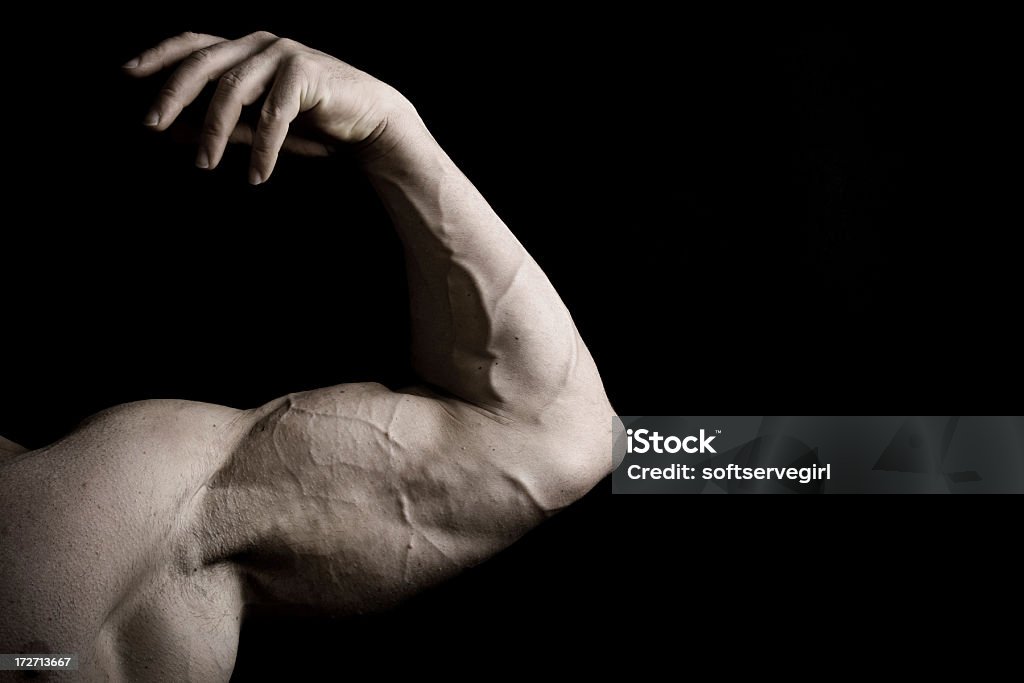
718 431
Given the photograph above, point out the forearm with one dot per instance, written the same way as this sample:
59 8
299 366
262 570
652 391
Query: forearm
487 324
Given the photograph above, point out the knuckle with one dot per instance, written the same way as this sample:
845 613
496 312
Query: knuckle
262 36
231 81
213 128
263 148
272 113
200 57
287 44
298 63
190 35
169 93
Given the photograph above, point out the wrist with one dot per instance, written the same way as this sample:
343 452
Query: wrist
398 123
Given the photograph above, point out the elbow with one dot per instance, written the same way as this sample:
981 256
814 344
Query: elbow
572 421
577 453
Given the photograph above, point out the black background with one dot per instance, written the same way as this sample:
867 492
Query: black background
742 218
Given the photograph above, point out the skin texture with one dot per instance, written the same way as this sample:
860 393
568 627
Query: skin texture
137 540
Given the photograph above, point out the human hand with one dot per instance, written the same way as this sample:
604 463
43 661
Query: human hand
335 100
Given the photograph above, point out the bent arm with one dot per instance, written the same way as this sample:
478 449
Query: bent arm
362 489
487 324
394 492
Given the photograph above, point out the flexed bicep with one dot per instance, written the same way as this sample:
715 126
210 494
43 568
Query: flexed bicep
355 496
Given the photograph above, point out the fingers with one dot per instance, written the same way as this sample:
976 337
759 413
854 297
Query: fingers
238 87
169 52
244 134
244 69
197 70
279 110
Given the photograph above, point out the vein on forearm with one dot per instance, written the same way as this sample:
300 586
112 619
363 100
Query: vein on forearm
487 325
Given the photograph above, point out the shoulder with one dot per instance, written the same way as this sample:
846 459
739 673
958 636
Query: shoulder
137 468
168 419
127 442
108 509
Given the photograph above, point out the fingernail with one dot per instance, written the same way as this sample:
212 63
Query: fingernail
152 118
131 63
203 159
254 177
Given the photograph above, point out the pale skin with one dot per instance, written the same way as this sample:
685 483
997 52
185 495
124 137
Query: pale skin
137 540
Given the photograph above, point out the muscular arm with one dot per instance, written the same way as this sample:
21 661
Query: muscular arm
352 495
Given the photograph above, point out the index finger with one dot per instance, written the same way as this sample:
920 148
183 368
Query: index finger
169 52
